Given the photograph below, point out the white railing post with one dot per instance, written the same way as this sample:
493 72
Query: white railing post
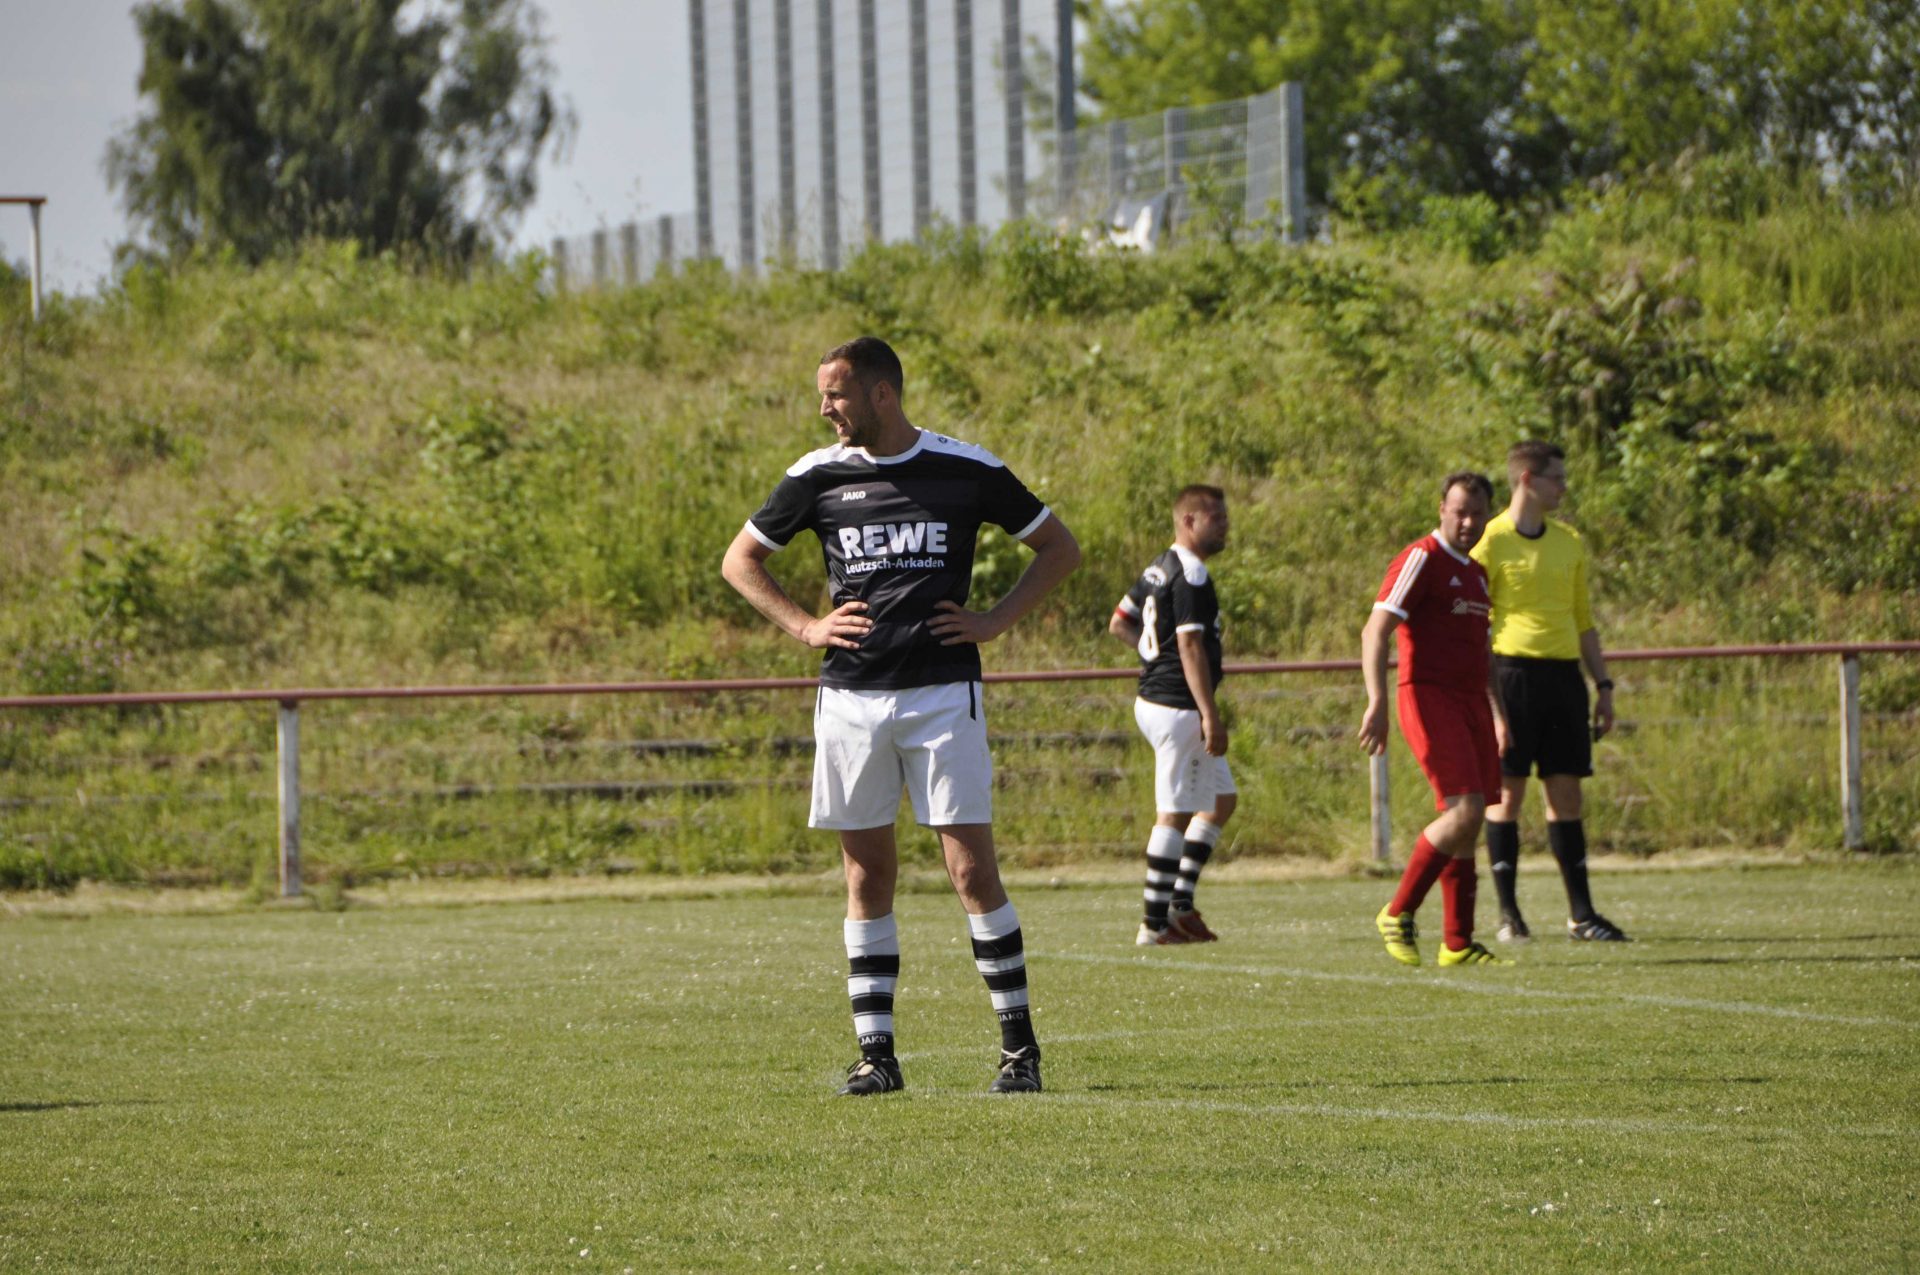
1852 824
33 236
1382 808
289 798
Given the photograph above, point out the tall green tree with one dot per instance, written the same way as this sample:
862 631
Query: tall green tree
1425 93
1514 97
267 122
1805 85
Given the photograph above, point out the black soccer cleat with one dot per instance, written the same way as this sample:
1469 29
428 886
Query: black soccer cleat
1019 1071
1596 929
873 1075
1513 929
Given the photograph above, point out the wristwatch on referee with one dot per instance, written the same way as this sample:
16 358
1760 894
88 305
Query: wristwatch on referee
1603 684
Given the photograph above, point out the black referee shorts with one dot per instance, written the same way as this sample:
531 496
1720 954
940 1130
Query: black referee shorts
1547 717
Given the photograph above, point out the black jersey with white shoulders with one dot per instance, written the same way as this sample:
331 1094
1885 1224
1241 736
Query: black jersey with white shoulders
898 533
1173 595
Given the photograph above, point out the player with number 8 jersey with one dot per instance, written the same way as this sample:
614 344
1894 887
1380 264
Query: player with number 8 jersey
1171 615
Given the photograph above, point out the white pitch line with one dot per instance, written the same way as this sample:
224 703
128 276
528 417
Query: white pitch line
1483 989
1211 1029
1496 1119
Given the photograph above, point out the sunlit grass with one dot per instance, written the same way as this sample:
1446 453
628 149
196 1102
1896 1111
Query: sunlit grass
648 1085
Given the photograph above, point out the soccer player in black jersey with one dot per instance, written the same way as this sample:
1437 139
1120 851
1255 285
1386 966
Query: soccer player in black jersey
1172 616
897 511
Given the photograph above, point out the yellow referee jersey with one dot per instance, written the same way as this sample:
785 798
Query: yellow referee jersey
1539 588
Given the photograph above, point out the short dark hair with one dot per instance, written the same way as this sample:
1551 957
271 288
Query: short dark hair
1194 495
871 360
1531 457
1470 479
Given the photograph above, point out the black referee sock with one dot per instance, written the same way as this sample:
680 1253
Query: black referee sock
1503 859
1568 838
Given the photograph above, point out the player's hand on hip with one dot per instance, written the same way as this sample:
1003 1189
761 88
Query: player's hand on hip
1603 713
954 625
843 626
1373 731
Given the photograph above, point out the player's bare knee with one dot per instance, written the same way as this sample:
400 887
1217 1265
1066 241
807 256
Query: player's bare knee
1563 797
1454 830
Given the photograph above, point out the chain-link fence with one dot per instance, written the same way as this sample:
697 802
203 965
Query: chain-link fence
824 125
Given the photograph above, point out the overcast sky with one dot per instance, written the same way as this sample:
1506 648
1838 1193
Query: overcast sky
67 85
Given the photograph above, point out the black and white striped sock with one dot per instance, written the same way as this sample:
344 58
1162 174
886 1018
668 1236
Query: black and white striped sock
873 967
1202 836
1163 868
1000 955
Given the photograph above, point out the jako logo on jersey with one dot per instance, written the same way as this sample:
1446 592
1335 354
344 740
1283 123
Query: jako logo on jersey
853 495
893 538
1155 576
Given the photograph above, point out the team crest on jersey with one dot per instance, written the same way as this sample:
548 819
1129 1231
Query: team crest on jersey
1155 576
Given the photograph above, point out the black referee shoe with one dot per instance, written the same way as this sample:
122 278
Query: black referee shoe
873 1075
1595 929
1019 1071
1513 929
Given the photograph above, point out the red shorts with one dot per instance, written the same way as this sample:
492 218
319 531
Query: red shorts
1451 734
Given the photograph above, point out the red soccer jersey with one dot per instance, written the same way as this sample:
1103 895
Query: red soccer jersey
1442 597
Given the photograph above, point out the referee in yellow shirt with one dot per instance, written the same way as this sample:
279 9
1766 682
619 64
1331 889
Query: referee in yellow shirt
1543 634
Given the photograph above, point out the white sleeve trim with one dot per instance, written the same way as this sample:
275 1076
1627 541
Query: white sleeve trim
1189 628
1409 572
1388 606
1127 606
1030 528
763 537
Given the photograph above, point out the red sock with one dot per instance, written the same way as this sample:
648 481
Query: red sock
1458 886
1423 869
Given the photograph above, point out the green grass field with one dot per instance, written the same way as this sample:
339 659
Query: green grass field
649 1086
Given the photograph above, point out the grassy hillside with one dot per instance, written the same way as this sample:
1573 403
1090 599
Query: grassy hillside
339 471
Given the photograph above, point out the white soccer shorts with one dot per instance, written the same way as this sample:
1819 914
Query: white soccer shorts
931 740
1186 778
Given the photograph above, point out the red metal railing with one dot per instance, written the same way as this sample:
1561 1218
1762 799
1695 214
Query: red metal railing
304 694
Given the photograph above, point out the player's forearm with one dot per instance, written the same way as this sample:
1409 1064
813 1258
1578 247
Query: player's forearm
1124 627
1052 562
1193 663
1591 656
1373 659
751 579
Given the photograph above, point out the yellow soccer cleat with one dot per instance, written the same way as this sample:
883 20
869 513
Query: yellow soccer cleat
1471 954
1399 932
